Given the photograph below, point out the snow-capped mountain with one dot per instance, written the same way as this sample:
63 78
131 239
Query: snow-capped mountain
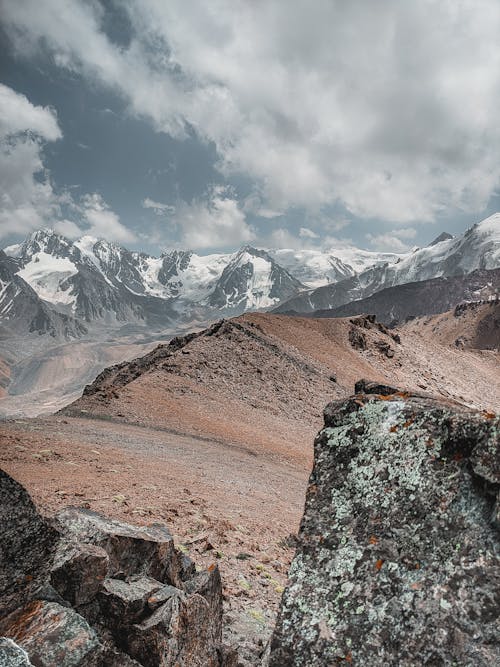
102 283
477 248
252 280
315 268
97 284
22 311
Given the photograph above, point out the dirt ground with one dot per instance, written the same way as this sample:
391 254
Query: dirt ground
224 503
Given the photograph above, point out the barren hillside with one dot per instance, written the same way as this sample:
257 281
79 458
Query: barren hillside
264 378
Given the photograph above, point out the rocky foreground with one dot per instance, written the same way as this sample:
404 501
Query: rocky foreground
86 591
398 557
397 561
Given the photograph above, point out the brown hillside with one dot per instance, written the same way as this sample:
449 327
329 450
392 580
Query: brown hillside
262 380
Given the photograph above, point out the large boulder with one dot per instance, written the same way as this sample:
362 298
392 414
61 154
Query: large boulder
27 545
87 591
398 556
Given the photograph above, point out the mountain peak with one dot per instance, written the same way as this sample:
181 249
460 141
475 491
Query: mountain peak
490 225
444 236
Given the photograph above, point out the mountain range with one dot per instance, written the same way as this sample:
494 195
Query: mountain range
477 248
70 308
52 285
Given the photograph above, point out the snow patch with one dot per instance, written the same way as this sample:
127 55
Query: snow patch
45 274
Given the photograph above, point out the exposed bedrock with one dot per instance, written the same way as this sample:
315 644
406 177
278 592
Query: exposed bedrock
87 591
398 556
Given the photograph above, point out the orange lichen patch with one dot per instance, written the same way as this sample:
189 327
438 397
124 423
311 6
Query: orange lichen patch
408 422
402 394
378 564
416 586
417 566
488 415
211 567
348 657
373 539
393 428
18 629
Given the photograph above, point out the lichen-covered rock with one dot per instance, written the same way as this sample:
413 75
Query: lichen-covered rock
12 655
398 556
27 543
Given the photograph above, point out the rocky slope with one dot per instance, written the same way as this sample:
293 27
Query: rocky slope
245 378
397 562
86 591
473 326
477 248
396 304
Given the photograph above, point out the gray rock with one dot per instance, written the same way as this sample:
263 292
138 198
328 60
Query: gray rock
26 546
54 635
160 596
12 655
78 571
123 603
209 585
397 563
178 633
132 550
96 592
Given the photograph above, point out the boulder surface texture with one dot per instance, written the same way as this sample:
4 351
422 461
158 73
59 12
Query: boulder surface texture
87 591
398 556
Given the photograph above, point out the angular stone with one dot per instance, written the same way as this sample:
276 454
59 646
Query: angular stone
357 339
160 596
132 550
27 545
12 655
208 584
178 633
369 387
397 562
78 571
123 603
54 635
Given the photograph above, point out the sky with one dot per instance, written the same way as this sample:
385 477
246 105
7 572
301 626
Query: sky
211 124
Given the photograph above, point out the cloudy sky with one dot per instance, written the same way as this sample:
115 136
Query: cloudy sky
215 123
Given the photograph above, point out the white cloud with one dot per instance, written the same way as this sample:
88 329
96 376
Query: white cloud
392 241
19 115
306 233
27 199
157 207
215 222
102 221
388 108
